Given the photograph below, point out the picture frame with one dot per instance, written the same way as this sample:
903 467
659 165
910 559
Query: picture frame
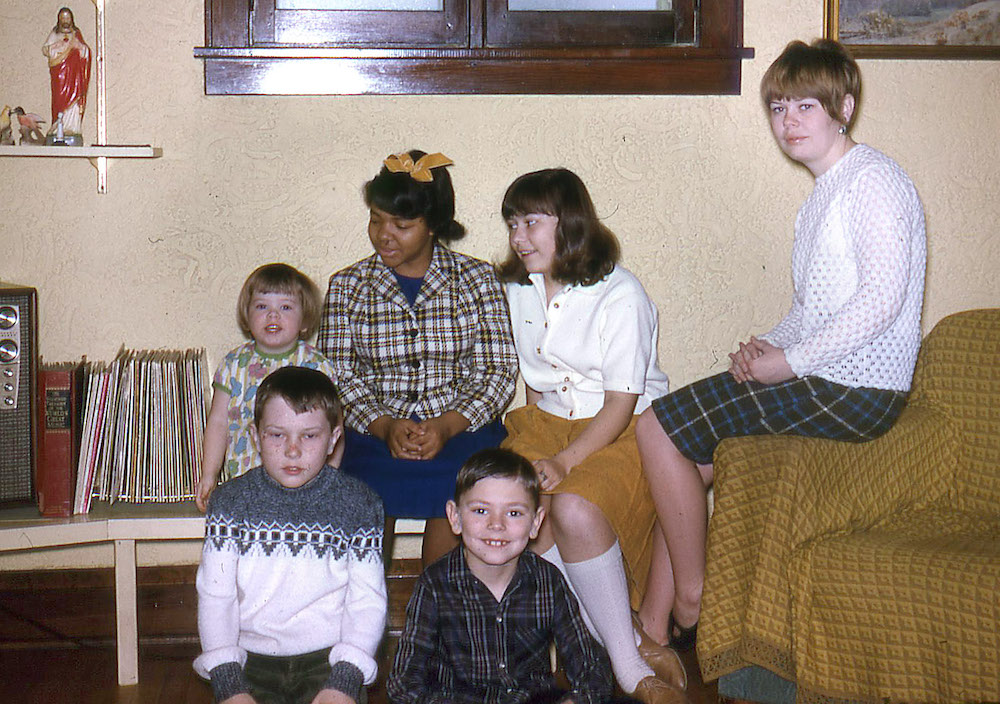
915 29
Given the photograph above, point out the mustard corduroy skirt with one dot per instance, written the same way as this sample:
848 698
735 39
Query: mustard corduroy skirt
611 479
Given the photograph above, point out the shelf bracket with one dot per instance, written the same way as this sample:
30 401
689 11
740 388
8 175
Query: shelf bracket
102 100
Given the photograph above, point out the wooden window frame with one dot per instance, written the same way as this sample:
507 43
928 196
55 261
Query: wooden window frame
253 49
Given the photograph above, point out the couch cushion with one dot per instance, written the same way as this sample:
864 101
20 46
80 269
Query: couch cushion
908 611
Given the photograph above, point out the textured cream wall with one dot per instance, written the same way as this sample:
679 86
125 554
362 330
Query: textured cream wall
701 198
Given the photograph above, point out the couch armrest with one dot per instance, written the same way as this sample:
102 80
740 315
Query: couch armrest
773 495
836 487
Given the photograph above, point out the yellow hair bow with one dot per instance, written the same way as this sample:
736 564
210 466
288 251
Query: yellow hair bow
419 170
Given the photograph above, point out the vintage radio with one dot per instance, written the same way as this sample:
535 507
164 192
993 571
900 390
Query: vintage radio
18 396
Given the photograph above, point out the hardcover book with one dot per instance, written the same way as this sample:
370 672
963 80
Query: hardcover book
60 392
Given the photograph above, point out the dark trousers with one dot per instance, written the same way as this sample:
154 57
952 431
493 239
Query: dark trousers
291 679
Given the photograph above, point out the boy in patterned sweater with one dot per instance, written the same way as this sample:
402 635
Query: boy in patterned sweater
291 587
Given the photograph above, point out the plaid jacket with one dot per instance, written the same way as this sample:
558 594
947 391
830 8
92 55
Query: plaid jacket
451 351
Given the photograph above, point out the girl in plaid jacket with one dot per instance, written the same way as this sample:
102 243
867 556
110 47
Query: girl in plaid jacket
420 339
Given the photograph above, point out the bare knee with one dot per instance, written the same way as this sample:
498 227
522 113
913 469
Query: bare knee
648 428
578 522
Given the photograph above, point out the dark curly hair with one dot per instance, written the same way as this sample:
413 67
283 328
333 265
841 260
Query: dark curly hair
399 194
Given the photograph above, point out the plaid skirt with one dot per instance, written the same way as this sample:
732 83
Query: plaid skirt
697 417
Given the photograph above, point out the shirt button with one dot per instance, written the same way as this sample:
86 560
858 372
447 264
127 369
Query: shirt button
499 619
566 379
555 305
415 364
564 388
412 396
411 333
538 350
503 666
546 326
554 366
571 414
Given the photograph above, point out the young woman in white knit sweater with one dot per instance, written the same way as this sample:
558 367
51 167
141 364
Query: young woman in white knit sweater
839 364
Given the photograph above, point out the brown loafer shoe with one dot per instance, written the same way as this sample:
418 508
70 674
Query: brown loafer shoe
651 690
665 661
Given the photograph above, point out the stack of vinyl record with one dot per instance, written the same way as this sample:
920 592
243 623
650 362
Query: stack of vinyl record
143 423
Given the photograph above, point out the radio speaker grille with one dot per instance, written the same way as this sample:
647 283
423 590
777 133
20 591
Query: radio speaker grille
18 397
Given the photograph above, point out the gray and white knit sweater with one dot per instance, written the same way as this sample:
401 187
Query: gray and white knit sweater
291 571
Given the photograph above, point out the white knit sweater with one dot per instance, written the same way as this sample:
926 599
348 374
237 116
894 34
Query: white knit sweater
858 267
291 571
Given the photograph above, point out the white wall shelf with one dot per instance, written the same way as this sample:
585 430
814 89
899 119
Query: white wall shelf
102 151
116 151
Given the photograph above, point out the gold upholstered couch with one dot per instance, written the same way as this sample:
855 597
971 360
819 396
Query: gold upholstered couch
869 572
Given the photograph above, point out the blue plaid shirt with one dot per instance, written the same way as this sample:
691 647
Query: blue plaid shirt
461 646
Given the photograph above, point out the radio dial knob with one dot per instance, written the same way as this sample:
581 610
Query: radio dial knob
8 351
8 317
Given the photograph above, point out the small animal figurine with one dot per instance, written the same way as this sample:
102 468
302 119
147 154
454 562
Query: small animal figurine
6 137
28 124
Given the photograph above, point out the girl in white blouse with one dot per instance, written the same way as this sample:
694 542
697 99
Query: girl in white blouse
586 335
839 364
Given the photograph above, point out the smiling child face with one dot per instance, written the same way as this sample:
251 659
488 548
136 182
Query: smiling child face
496 518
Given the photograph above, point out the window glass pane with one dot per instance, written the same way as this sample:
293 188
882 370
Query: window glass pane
588 5
425 5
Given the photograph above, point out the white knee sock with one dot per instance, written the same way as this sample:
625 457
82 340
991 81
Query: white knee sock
552 555
600 585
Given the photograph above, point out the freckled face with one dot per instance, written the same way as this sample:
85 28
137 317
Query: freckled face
405 245
293 446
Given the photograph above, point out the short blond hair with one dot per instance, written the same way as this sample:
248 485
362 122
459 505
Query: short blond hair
281 278
823 70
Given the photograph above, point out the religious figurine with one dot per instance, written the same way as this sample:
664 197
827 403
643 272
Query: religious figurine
69 74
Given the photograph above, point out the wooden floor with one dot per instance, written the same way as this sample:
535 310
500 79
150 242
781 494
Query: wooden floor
57 647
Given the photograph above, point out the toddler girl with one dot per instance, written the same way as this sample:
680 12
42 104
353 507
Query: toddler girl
278 309
586 335
419 336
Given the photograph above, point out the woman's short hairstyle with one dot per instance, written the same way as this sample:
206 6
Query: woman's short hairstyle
303 389
401 195
501 464
586 249
824 71
281 278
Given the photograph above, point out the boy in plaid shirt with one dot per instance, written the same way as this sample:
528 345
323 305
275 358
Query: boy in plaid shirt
480 621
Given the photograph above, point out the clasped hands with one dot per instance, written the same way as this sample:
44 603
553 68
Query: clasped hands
415 440
760 361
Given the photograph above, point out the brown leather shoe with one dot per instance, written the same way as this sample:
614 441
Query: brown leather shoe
665 661
651 690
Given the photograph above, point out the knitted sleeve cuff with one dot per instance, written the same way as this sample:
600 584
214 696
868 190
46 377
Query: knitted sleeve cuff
346 678
228 680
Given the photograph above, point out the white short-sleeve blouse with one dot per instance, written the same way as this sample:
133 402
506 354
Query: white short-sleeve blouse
585 341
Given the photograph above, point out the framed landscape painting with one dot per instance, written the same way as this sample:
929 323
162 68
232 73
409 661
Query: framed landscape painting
916 29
